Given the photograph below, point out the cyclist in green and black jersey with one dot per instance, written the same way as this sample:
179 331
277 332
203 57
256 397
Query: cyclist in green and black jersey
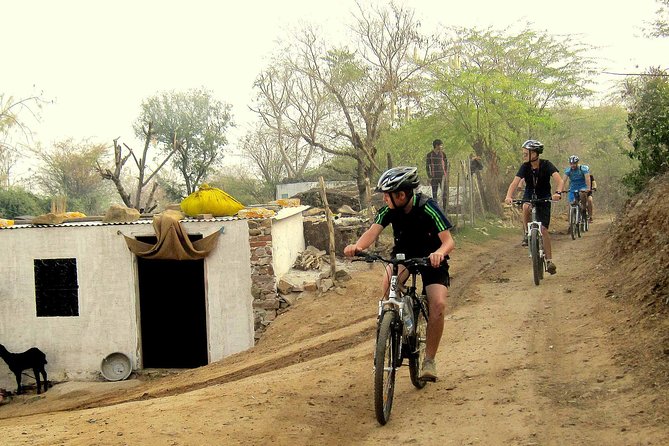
420 229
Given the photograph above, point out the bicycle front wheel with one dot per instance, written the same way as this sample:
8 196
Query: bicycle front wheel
572 222
534 251
419 342
384 367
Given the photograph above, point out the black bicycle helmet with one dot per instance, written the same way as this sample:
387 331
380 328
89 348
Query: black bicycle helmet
573 159
398 178
533 145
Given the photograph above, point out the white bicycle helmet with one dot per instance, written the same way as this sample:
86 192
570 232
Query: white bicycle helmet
533 145
398 178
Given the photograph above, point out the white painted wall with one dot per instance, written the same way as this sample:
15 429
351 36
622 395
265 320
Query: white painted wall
287 239
290 189
108 301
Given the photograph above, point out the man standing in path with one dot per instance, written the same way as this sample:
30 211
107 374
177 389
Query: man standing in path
435 164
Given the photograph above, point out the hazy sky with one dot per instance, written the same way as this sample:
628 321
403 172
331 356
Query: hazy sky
99 60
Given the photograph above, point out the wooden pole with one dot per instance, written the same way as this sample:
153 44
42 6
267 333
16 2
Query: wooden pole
328 217
471 191
446 189
478 190
457 200
465 194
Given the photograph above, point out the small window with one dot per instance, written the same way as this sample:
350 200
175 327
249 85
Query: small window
56 287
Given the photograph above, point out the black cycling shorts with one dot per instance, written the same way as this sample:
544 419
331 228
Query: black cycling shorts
431 275
543 214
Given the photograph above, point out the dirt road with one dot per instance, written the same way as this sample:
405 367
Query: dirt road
520 365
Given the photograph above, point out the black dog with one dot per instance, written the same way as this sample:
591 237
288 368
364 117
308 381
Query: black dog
32 358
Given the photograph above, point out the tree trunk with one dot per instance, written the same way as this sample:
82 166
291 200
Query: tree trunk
489 183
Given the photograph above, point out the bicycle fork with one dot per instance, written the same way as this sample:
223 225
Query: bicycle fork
530 226
397 307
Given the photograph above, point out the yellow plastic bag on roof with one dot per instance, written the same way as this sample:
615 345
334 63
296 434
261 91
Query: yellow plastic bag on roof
210 200
6 222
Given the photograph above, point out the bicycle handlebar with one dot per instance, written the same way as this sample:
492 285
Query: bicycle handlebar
532 200
416 261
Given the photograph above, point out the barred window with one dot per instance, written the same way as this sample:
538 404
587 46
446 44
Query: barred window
56 287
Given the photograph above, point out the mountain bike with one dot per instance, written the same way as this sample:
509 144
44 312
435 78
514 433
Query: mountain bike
401 332
535 240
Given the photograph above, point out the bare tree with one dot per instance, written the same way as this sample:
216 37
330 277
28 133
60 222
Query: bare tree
282 107
260 144
347 97
12 114
142 179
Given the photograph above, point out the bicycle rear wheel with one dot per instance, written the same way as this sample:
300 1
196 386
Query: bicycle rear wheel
419 342
534 250
387 345
586 222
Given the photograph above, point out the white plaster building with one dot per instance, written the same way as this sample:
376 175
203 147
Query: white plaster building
78 293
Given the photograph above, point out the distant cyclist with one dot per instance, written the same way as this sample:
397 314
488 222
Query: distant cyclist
537 174
579 178
421 230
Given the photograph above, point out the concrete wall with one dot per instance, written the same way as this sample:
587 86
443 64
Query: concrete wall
108 318
287 239
290 189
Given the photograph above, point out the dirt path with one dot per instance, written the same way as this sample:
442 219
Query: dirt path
521 365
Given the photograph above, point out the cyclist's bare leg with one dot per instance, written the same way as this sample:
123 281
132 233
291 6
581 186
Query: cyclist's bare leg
589 205
436 296
547 243
404 275
526 216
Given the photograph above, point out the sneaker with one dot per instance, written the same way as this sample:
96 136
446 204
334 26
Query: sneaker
524 242
550 267
590 220
429 372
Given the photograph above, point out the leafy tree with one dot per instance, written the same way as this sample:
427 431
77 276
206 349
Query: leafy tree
660 26
69 169
598 136
244 186
193 125
499 88
15 201
647 99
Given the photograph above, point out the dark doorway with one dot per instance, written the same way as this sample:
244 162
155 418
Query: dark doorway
172 312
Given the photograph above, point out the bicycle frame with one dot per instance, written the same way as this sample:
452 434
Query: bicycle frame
393 342
534 223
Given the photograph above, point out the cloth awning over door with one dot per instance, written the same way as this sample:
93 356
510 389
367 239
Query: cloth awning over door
173 242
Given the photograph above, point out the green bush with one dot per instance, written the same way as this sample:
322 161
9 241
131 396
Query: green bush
648 126
16 201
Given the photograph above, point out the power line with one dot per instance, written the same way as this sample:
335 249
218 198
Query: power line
637 74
